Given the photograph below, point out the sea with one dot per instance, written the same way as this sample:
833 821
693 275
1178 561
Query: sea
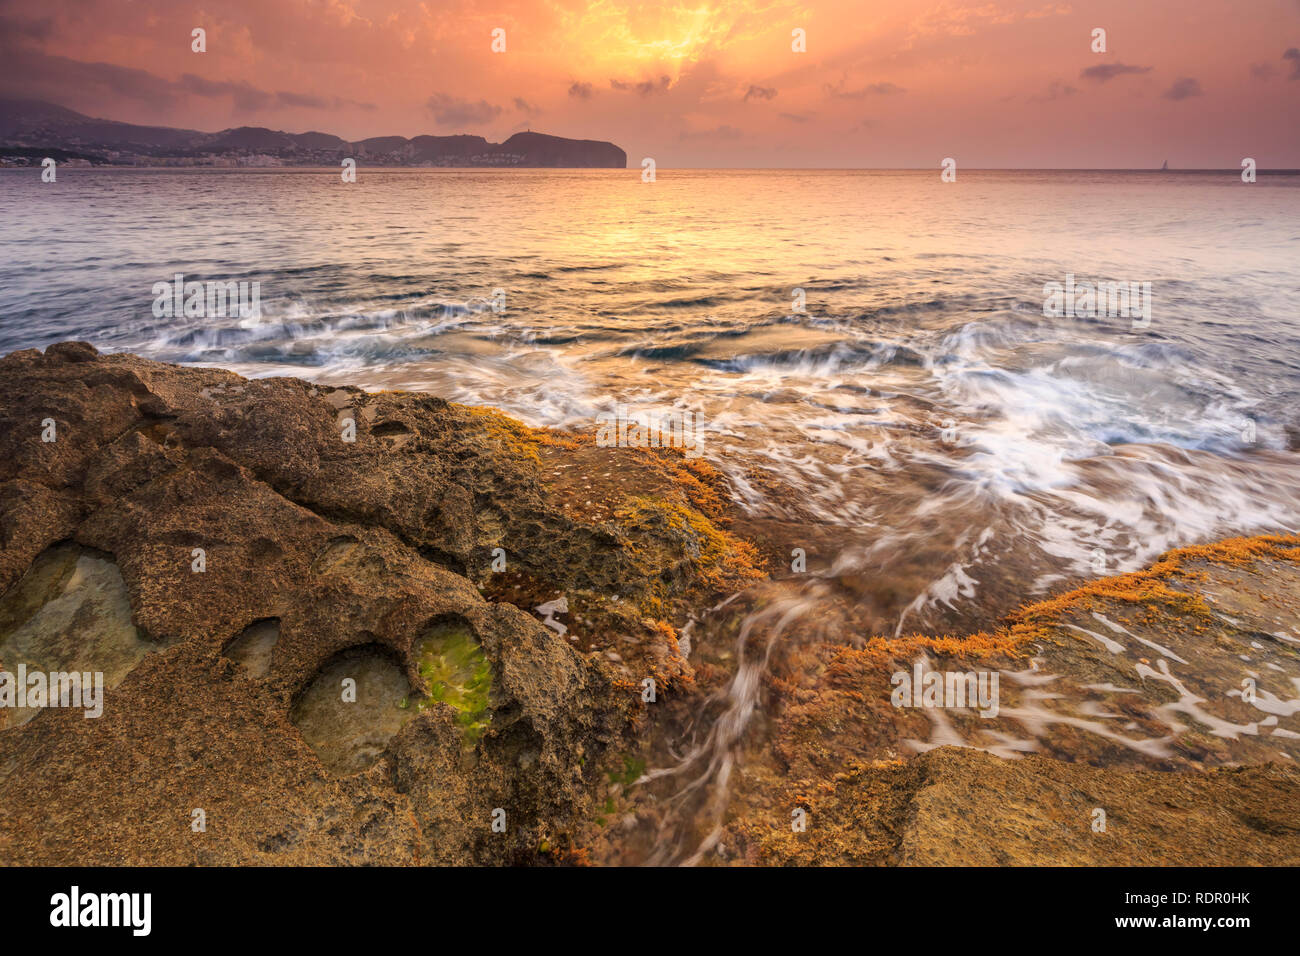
905 380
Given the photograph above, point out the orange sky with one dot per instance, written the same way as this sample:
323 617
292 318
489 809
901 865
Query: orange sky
1008 83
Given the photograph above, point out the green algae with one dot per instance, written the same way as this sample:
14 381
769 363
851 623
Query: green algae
457 674
633 769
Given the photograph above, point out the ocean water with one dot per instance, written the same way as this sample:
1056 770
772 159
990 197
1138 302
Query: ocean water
910 418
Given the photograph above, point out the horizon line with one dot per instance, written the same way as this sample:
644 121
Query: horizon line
660 168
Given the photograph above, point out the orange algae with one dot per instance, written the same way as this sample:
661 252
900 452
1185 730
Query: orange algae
718 560
512 435
1149 589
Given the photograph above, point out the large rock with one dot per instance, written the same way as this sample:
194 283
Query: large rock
259 550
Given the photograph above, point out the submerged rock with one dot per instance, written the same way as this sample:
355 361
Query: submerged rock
69 613
352 708
456 673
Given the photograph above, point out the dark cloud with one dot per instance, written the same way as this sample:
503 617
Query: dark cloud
245 97
450 111
580 91
27 28
104 86
1103 72
28 73
248 99
1294 56
643 88
760 93
302 99
1184 88
307 101
1263 71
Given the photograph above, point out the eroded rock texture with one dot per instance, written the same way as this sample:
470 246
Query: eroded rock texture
256 549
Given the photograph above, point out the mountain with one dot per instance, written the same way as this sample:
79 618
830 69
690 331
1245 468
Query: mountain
544 150
36 123
29 126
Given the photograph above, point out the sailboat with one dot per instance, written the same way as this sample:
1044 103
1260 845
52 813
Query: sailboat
1165 168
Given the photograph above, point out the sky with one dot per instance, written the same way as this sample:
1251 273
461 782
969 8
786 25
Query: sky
880 83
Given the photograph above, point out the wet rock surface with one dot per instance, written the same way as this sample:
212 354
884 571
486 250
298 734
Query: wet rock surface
1162 706
961 807
358 627
223 504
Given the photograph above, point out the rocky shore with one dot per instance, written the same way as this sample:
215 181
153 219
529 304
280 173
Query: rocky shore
340 627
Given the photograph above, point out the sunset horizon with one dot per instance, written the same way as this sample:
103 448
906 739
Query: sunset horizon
411 135
1014 85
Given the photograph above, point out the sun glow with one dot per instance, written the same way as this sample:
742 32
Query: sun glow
628 40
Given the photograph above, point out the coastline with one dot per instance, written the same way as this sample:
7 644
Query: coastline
370 545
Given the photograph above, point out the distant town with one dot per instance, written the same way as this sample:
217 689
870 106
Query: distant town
32 130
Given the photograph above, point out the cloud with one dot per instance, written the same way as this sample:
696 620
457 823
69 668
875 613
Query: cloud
580 91
96 87
1263 71
247 98
60 79
27 28
1294 56
1108 71
797 117
307 101
1184 88
760 93
837 90
523 106
645 87
962 20
449 111
31 74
